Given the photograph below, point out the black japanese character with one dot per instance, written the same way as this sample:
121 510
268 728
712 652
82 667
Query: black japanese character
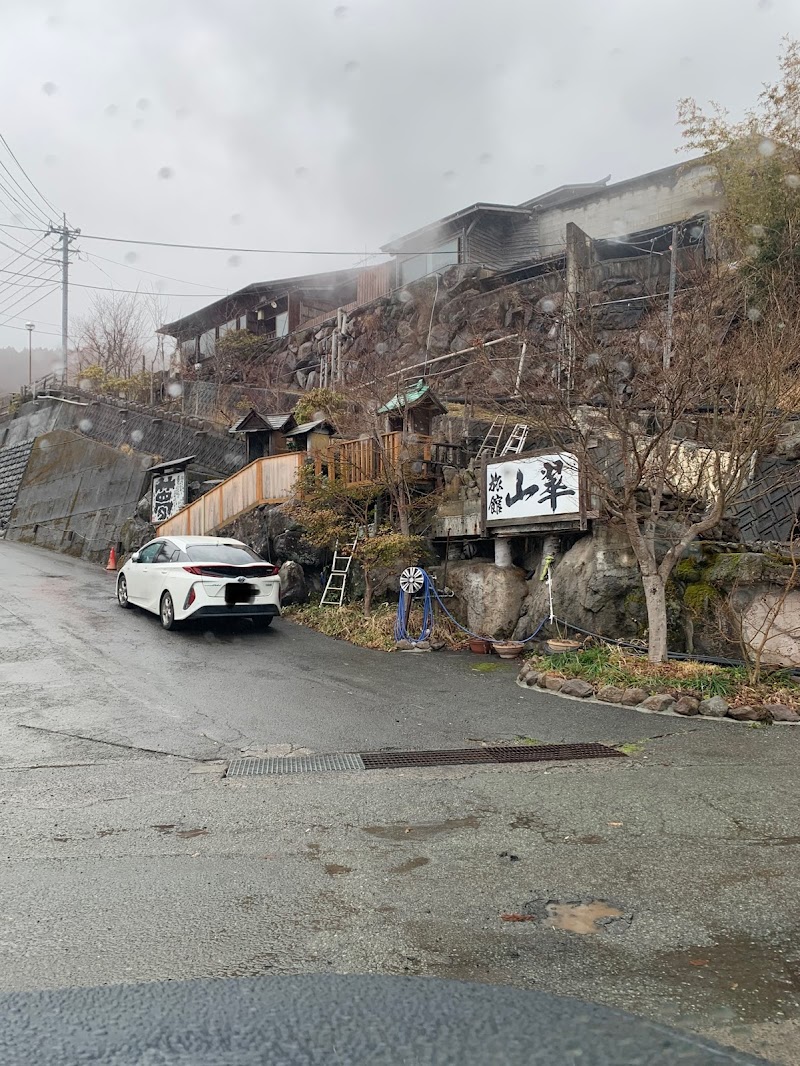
496 504
554 486
521 493
495 483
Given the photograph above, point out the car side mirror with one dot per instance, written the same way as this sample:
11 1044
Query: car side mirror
135 557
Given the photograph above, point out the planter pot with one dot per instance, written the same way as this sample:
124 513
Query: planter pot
508 649
558 647
479 647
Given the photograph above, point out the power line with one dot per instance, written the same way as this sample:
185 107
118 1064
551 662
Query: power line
28 178
152 273
109 288
32 304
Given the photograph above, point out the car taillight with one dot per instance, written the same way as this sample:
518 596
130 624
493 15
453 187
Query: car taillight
190 598
193 569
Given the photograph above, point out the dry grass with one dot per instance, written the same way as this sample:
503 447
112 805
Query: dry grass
607 665
377 632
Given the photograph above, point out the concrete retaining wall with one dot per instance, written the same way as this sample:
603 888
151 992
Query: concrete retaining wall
76 494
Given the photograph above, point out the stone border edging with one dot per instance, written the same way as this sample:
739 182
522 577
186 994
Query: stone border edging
659 703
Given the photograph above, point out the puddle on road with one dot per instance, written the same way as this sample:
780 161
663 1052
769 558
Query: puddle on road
412 864
420 832
737 978
333 869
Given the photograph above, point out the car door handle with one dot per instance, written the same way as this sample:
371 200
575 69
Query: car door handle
163 571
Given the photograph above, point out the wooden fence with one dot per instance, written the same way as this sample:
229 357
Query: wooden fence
267 480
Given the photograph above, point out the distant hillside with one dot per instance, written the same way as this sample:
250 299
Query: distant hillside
14 366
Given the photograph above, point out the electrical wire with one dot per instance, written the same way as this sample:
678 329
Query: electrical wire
152 273
109 288
28 178
33 304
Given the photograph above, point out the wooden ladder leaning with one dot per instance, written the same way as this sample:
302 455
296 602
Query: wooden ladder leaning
516 439
491 442
333 596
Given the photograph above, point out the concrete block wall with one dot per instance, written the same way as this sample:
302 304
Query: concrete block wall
13 463
642 203
76 494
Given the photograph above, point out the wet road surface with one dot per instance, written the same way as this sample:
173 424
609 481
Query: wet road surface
125 857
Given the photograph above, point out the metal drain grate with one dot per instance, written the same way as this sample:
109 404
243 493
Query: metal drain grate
384 760
388 760
293 764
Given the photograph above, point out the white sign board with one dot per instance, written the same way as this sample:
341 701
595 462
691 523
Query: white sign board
536 487
169 496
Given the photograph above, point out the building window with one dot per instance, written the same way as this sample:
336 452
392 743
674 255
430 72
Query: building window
188 349
282 324
419 266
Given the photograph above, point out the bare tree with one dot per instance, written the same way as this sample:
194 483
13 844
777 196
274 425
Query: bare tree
115 336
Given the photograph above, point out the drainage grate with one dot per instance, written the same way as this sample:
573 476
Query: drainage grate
387 760
297 764
383 760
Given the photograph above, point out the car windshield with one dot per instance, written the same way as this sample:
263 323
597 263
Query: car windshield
235 554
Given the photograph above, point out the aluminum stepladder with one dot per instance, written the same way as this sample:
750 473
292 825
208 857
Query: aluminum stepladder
516 440
333 596
491 442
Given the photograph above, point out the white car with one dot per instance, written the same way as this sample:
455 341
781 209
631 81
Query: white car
179 578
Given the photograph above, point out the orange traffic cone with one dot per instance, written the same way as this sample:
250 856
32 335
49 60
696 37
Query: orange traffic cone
112 560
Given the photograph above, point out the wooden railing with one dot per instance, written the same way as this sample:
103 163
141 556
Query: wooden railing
267 480
367 460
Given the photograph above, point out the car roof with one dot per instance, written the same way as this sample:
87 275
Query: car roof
188 542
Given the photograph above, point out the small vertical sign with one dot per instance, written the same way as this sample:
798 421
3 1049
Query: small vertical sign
169 496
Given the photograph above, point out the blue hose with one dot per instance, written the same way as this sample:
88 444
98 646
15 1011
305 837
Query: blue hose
429 592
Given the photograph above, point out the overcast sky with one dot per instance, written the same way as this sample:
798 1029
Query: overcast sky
303 124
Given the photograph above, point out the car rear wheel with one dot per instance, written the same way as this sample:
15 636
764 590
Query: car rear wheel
167 612
122 591
261 621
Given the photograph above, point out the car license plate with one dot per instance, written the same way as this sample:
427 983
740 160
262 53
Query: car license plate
239 593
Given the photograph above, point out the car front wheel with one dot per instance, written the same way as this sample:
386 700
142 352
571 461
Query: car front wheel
167 612
122 592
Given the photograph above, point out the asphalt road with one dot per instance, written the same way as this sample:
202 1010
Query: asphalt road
125 855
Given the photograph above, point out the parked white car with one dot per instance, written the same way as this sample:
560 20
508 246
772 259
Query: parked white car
179 578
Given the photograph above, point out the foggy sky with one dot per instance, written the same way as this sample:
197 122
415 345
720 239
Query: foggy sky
312 124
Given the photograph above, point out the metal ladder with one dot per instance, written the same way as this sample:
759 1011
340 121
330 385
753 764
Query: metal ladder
516 440
333 596
491 442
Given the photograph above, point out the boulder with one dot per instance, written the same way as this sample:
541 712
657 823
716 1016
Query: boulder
781 713
715 707
610 694
687 705
575 686
633 696
487 597
552 683
658 703
759 713
291 545
293 583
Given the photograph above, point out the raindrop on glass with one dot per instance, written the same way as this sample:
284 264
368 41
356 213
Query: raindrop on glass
111 110
548 306
300 172
340 11
764 5
381 348
44 444
404 296
751 250
130 257
757 231
136 436
485 157
50 160
182 112
449 175
49 88
175 389
648 342
137 123
234 260
142 103
236 219
165 172
85 425
753 314
85 385
766 148
685 62
592 359
351 66
792 180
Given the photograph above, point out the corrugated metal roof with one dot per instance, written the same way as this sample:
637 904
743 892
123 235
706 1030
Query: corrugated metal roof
308 427
410 397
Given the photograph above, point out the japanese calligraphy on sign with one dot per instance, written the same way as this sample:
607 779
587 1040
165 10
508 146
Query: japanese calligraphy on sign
533 487
169 496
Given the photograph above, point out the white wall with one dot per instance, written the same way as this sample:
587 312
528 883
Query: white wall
636 205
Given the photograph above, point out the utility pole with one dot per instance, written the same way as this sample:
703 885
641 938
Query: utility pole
67 236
